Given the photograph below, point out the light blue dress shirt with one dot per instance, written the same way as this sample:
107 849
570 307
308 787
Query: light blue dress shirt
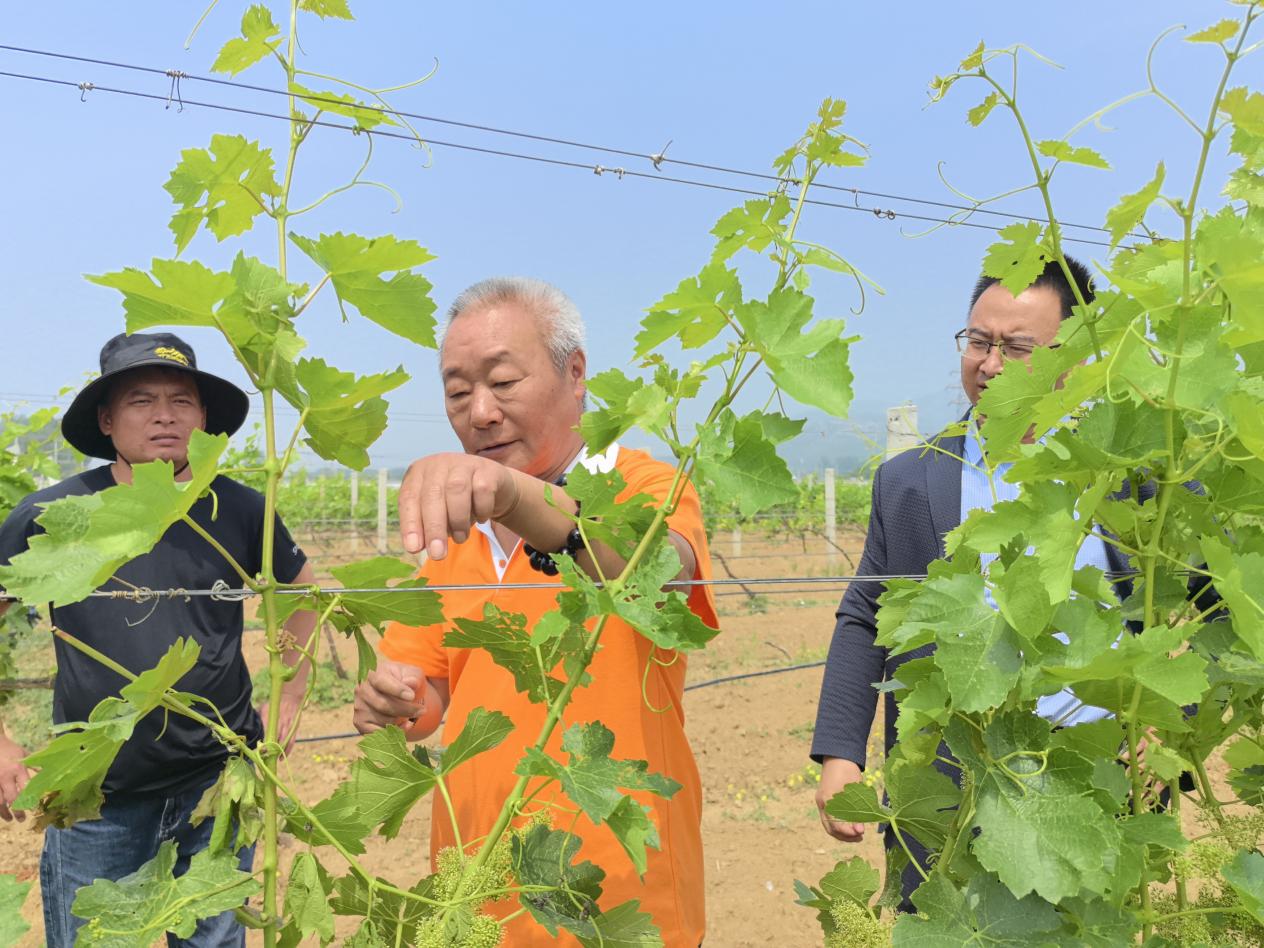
1064 708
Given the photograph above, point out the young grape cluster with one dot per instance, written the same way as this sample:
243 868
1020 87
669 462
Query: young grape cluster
483 931
493 875
856 928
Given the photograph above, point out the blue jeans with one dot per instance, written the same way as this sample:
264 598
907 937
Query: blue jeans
127 835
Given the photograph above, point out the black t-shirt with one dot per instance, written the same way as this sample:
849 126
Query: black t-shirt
167 751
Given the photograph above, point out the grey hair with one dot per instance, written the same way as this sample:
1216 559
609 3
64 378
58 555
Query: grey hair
565 327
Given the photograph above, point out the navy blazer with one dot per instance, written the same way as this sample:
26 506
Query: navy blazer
916 501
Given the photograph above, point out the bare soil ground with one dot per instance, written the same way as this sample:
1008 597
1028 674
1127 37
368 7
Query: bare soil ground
751 738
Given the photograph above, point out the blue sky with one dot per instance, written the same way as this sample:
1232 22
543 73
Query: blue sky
730 84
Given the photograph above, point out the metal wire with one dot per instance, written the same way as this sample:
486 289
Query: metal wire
877 213
656 159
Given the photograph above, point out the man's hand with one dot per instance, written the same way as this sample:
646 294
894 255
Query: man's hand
391 694
13 777
446 494
287 718
837 773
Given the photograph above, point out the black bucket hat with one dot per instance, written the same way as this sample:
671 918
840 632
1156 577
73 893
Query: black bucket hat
226 405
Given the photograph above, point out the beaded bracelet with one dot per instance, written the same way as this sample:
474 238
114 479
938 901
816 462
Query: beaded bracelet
543 562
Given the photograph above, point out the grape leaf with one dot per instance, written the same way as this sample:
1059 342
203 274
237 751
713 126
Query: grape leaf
173 293
482 731
326 9
541 856
632 827
693 313
1246 875
12 898
751 226
377 608
339 103
356 266
810 365
90 536
737 460
592 778
1076 155
921 801
1018 257
307 903
221 187
985 913
345 414
259 39
67 787
663 618
1131 209
1216 33
626 404
981 662
504 636
981 111
137 909
386 782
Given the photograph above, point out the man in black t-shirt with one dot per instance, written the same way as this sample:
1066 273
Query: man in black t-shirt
144 407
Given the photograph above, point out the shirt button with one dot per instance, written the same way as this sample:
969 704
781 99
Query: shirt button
501 563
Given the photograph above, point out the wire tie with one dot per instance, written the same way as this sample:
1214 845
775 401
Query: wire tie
176 75
84 89
620 172
657 158
220 591
597 169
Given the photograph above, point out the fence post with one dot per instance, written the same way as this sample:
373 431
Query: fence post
735 542
902 428
355 502
381 510
831 522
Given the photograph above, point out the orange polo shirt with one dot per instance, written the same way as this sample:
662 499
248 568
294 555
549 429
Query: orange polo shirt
649 726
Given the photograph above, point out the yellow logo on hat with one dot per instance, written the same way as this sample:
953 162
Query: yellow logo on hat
175 355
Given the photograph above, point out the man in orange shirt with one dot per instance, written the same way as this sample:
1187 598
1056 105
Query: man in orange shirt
513 367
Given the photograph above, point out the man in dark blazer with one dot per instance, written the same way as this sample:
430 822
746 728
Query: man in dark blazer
917 499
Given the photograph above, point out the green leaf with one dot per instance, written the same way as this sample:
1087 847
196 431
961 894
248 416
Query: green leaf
88 537
1245 110
694 312
221 187
1038 830
1077 155
810 365
137 909
625 404
921 803
504 636
422 608
974 60
1131 209
259 39
387 781
592 778
986 913
356 266
981 111
174 293
663 618
981 662
339 103
1246 876
1216 33
737 460
307 900
632 827
544 857
1018 257
12 898
345 414
1238 577
1023 598
852 879
326 9
482 731
751 226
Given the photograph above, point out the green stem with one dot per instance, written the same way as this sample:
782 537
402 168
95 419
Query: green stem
442 786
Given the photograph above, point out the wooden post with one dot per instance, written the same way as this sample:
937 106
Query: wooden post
381 510
735 542
355 502
831 522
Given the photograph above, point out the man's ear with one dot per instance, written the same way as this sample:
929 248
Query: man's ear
104 421
577 372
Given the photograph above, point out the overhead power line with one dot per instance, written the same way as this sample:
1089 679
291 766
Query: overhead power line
888 214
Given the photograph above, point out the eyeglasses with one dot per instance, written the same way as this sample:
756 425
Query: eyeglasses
976 347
